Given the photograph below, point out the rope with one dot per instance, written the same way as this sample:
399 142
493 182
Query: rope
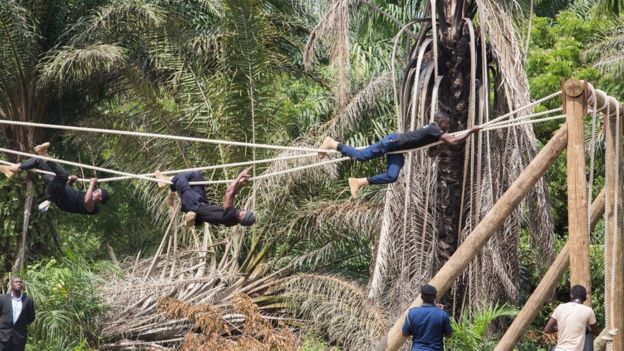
615 243
559 109
163 136
83 180
525 122
269 175
84 166
206 168
537 102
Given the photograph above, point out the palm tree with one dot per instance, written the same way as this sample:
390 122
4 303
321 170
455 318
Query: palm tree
453 66
27 34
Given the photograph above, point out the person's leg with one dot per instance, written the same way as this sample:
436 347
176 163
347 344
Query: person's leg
394 164
393 169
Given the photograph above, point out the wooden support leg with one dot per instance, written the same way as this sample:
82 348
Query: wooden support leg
575 108
546 286
492 222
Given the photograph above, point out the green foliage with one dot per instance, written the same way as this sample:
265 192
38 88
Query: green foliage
472 331
66 303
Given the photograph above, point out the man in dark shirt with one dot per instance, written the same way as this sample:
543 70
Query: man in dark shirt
436 131
427 324
59 188
196 206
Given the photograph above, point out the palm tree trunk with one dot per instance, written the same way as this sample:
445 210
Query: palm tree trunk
20 262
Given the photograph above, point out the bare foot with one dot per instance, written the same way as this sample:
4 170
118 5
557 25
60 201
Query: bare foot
355 184
189 219
42 149
7 170
328 144
166 180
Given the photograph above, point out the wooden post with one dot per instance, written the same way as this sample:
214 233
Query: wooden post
492 221
546 286
575 109
614 238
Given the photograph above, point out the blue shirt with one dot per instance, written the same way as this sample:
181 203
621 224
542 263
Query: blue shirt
427 324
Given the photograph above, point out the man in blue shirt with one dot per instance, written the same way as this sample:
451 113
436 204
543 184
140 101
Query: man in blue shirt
427 324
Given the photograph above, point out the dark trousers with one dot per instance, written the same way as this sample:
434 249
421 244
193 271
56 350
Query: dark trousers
394 161
11 346
55 184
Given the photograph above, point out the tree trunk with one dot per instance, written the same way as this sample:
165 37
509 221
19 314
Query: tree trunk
20 262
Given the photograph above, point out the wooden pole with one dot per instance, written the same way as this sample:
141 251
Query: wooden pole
546 286
575 109
614 271
488 226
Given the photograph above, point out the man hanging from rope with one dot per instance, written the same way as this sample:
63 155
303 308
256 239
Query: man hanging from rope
59 188
196 206
432 133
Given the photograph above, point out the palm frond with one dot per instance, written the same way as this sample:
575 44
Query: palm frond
79 64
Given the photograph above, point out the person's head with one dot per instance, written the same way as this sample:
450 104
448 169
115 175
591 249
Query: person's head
17 285
428 293
443 121
101 196
578 292
246 218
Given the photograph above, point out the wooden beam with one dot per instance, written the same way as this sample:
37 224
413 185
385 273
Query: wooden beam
546 286
614 239
575 108
488 226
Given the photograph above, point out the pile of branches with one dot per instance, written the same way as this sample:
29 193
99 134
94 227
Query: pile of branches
188 299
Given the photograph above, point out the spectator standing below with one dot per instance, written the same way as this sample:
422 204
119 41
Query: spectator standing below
572 321
427 324
17 311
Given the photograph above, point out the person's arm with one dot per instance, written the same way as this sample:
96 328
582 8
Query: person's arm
406 330
448 329
241 180
454 139
31 312
594 330
88 199
551 326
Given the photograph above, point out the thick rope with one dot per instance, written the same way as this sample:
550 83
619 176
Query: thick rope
523 118
163 136
75 164
206 168
525 122
537 102
83 180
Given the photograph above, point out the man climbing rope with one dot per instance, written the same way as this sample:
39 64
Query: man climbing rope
435 131
198 209
59 188
572 321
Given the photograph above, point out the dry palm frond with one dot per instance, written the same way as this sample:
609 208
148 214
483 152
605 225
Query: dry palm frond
336 308
334 26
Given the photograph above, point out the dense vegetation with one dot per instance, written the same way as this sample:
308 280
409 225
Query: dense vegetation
265 71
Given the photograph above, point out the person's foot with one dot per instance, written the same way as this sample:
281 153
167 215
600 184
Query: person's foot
189 219
7 170
42 149
170 198
328 144
355 184
166 180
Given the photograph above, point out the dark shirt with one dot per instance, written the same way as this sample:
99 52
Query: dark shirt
73 201
427 324
207 212
429 134
193 198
